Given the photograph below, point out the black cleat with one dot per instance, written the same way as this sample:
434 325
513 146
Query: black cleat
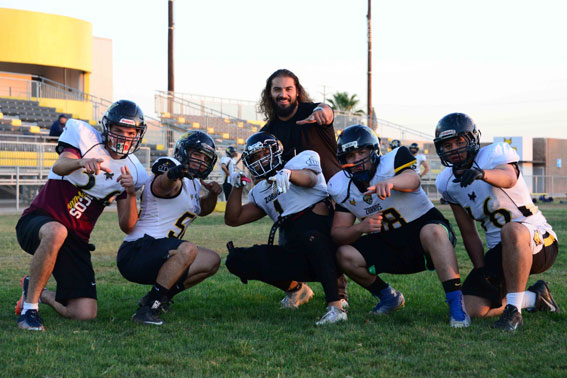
165 303
544 300
148 314
510 319
31 321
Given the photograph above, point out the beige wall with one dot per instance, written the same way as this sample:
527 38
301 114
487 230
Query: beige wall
101 84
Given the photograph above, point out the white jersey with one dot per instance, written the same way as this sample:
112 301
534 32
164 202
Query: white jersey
167 217
297 198
493 206
230 165
88 141
398 209
419 159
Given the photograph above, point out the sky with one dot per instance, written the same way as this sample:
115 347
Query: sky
502 62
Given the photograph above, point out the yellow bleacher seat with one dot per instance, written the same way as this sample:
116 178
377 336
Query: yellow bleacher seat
225 136
254 128
144 141
34 129
181 119
165 115
240 141
211 130
1 115
93 122
226 120
160 147
16 122
196 125
240 124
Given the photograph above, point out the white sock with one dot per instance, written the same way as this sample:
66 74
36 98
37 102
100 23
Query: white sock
515 299
529 299
30 306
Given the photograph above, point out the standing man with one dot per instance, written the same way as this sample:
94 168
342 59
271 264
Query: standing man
228 166
154 253
420 160
300 124
92 170
295 196
486 185
399 231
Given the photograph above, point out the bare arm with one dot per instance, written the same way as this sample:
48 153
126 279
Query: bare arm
68 162
225 169
127 208
209 202
471 238
407 181
502 176
345 231
426 168
236 214
162 186
303 177
322 115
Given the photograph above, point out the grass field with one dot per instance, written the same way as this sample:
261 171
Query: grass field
224 328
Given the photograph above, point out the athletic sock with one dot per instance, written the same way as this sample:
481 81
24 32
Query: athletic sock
377 286
451 285
158 292
176 289
516 300
529 300
29 306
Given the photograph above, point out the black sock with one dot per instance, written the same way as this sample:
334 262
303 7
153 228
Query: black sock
176 289
376 286
158 292
452 285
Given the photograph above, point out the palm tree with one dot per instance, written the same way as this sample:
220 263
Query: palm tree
343 102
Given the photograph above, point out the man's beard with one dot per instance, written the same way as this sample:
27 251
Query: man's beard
285 111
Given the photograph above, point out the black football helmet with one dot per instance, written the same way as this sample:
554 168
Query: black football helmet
354 138
187 145
457 125
414 148
230 151
395 144
126 114
263 155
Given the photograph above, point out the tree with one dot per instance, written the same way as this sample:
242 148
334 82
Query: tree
343 102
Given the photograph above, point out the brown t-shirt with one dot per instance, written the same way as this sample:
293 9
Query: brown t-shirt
297 138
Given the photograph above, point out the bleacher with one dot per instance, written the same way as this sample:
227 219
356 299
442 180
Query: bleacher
29 113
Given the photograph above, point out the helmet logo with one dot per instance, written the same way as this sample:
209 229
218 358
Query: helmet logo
353 144
447 133
127 121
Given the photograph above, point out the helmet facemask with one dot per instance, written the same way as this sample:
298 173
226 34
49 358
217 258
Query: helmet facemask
355 170
196 166
263 159
120 144
469 151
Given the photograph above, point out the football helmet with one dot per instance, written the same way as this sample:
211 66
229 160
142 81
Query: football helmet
185 148
263 155
395 144
230 151
414 148
457 125
354 138
126 114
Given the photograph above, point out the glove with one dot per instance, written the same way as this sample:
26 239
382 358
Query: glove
177 172
238 179
281 180
469 175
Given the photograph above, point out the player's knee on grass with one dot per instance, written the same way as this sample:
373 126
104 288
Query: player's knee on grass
82 308
485 285
237 263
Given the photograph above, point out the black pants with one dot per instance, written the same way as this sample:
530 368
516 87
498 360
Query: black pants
226 188
307 253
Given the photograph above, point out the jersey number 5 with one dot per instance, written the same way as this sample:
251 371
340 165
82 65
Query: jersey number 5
181 225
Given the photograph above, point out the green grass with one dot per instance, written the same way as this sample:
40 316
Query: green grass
222 327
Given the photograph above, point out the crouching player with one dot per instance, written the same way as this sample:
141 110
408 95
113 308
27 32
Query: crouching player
486 185
154 253
295 196
399 232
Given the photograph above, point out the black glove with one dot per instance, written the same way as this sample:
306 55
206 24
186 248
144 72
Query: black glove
177 172
468 176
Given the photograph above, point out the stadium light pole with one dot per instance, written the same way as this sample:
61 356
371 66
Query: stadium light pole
170 77
369 84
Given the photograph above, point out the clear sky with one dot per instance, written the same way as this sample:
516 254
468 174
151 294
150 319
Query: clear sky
503 62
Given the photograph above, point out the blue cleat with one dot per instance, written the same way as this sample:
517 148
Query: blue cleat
31 321
458 315
390 300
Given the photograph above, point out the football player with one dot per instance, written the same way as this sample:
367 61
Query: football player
395 143
420 160
486 185
153 253
295 196
91 171
399 232
228 166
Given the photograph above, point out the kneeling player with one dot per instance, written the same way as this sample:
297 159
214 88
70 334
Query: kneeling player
153 253
400 231
295 196
486 185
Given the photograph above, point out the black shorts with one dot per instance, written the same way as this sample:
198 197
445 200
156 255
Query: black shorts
400 251
73 269
140 260
488 282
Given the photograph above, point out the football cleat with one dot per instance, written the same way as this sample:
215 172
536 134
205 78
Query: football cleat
458 314
390 304
164 305
294 299
149 314
460 323
544 300
333 315
510 319
31 321
24 282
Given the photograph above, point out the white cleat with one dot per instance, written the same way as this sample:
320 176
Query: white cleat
333 315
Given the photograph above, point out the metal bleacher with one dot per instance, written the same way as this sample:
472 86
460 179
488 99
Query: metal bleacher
28 112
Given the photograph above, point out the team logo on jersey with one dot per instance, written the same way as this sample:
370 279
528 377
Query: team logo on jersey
472 196
108 175
312 162
367 198
352 202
